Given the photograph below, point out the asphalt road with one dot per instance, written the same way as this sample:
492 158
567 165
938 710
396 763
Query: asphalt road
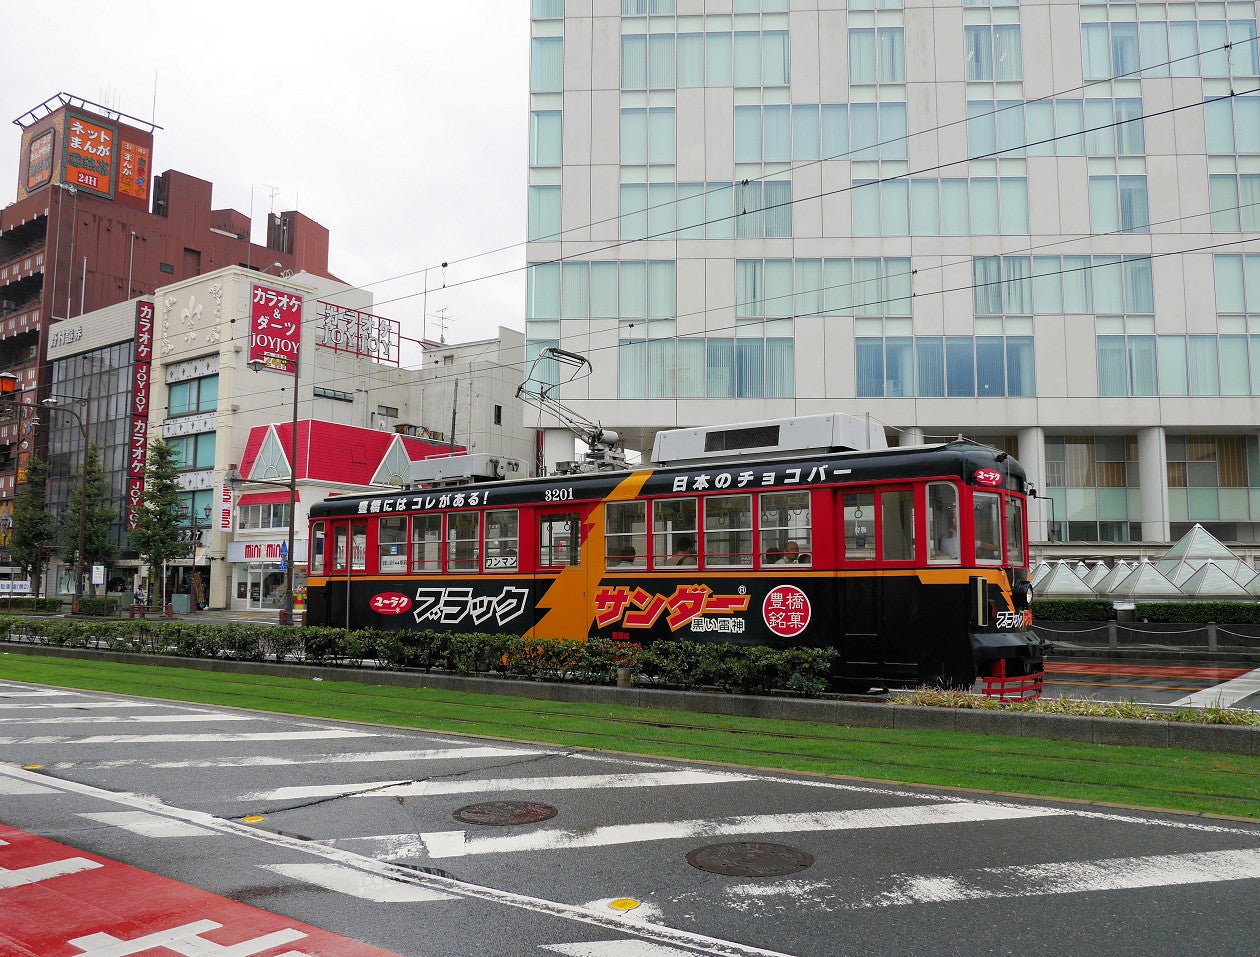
129 825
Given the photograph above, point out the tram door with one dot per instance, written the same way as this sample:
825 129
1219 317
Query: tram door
560 548
877 610
337 592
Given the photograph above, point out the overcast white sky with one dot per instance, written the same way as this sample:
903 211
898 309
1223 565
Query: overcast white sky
400 126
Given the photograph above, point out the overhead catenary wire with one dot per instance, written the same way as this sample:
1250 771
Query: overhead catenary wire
784 169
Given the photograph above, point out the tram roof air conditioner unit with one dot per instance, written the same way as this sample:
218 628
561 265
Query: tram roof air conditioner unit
464 470
772 438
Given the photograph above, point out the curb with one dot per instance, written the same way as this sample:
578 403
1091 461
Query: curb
1129 732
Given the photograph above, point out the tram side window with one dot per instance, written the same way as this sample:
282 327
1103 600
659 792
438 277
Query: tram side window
339 548
674 531
897 513
728 538
987 507
391 542
1015 531
942 517
859 527
462 534
785 528
502 540
317 566
358 546
426 544
625 534
559 539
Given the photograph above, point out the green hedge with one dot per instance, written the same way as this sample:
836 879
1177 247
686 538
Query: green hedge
682 664
1072 609
30 605
1199 612
1169 612
97 606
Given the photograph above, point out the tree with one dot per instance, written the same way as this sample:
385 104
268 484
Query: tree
33 527
158 535
97 517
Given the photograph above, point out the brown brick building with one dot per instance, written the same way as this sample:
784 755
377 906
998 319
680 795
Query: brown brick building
92 227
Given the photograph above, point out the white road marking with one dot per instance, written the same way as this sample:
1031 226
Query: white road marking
582 782
182 738
441 844
8 786
354 757
206 717
1073 877
5 692
349 880
1223 695
187 940
82 705
651 931
42 872
148 825
618 948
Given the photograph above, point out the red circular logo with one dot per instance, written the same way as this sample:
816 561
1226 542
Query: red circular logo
389 603
786 611
988 477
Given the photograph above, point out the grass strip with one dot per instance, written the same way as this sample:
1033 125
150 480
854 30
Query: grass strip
1169 779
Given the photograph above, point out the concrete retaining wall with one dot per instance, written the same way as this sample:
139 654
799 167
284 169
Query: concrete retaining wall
1231 739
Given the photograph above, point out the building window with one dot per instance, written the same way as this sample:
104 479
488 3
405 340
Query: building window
546 65
1063 285
993 52
194 451
1118 204
272 516
953 366
1235 202
545 129
988 206
544 213
498 415
877 55
193 396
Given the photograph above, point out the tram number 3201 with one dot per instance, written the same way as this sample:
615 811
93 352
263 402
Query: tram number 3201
559 494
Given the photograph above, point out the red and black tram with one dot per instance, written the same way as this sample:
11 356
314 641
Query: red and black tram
912 563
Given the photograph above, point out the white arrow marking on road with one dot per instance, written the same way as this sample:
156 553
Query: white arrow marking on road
348 880
1223 695
148 825
455 843
1073 877
560 783
182 738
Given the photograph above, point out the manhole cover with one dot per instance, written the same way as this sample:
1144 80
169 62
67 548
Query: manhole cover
499 813
750 859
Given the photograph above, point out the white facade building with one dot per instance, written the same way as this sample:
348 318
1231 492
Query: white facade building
1034 225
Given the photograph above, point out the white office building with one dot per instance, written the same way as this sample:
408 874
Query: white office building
1034 224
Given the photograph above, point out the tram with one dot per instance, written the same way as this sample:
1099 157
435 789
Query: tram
910 562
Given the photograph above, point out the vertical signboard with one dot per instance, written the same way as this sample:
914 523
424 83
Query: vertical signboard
138 434
39 160
133 170
90 153
224 519
275 328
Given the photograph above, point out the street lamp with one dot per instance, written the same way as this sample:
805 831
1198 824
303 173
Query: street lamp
256 365
58 403
195 528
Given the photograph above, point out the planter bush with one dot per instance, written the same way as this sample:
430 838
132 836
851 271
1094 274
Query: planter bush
1072 609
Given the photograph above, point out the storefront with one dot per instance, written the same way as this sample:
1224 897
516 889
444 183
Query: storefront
259 574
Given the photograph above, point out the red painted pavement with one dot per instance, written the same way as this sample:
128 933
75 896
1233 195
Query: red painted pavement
56 901
1144 671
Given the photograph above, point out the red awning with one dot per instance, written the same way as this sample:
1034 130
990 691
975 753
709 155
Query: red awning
266 498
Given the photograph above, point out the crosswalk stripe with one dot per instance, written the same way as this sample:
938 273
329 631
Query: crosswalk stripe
1072 877
1223 695
356 883
617 948
356 757
147 825
6 691
11 787
206 718
82 705
442 844
574 782
189 738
